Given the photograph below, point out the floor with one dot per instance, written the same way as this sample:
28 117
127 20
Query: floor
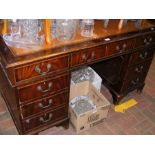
139 119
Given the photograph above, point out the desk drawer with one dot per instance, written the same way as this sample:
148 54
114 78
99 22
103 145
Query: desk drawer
44 88
135 76
138 69
119 46
41 68
140 56
45 118
145 40
88 55
45 104
133 83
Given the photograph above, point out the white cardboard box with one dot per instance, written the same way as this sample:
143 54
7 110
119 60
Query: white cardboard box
97 82
90 118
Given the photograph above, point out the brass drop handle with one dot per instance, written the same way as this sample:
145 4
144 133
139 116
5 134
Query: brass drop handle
42 119
44 107
145 41
39 71
134 82
40 89
92 55
150 39
143 56
84 56
124 46
139 69
118 48
27 121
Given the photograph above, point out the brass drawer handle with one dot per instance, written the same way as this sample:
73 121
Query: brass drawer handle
135 82
40 89
39 71
27 121
139 69
42 119
44 107
118 48
92 55
84 56
124 46
150 39
143 56
121 49
145 41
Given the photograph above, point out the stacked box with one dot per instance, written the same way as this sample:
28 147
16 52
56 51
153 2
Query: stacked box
97 81
86 120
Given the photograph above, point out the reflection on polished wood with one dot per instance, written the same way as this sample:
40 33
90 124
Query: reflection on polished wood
99 32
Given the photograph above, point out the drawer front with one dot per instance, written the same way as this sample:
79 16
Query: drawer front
41 68
41 89
133 83
145 40
119 46
140 56
45 119
138 70
45 104
89 55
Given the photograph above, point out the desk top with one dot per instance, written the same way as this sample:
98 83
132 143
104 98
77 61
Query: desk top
101 36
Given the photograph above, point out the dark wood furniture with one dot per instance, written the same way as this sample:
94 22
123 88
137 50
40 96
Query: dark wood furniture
35 83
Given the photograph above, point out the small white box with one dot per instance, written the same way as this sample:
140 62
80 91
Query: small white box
97 82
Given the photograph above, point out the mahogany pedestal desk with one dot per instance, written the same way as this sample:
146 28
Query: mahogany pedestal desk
35 83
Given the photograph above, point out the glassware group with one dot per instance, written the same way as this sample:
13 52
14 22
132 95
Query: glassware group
24 32
65 29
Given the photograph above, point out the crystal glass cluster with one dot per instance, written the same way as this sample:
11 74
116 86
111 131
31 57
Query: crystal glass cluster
65 29
87 27
29 29
82 104
83 74
24 33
